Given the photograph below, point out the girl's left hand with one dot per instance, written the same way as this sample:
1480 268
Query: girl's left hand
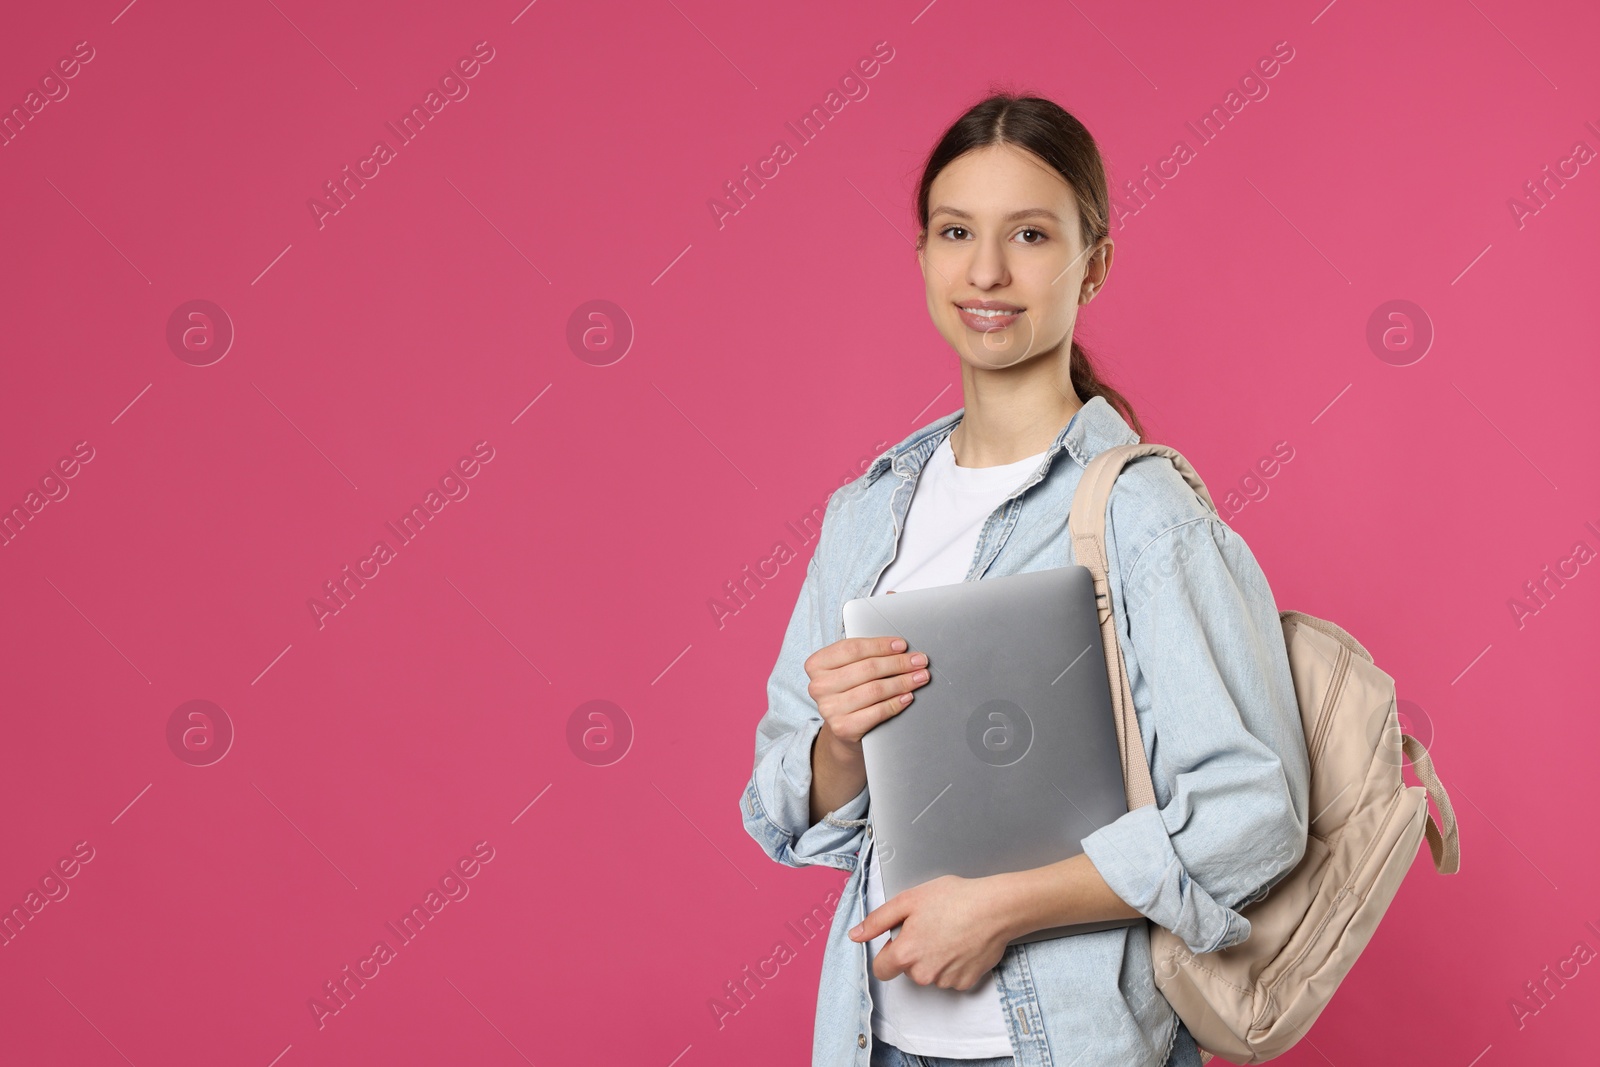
951 933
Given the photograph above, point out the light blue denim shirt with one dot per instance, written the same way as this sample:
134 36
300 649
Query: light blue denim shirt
1209 672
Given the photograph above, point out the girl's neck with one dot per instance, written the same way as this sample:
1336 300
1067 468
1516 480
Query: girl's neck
1011 414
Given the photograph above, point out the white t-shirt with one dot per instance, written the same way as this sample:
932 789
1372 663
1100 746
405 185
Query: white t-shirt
947 514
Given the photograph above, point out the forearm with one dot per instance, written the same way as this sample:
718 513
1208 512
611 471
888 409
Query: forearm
837 775
1070 891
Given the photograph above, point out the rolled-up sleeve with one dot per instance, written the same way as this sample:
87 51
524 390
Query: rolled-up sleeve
1209 673
777 800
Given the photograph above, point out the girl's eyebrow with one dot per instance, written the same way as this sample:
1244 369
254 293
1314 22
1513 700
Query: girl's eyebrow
1021 213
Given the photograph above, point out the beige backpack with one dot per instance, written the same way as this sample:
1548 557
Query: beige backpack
1253 1001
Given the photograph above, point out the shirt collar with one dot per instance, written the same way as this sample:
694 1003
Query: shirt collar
1093 428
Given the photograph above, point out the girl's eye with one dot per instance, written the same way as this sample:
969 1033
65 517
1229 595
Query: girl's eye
962 229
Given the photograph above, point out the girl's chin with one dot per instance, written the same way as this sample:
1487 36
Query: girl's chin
997 360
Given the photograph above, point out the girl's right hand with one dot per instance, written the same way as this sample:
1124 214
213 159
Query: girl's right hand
861 681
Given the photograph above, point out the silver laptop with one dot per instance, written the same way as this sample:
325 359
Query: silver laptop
1007 757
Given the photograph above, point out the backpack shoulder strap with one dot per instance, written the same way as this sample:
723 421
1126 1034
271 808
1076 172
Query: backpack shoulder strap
1087 524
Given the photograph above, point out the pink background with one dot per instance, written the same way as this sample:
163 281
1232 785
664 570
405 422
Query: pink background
770 355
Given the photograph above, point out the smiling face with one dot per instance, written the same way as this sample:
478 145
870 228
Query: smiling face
1003 259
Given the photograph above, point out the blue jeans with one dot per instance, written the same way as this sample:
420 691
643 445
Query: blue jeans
1184 1053
886 1055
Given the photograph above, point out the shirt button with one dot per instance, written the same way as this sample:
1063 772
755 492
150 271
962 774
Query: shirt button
861 1041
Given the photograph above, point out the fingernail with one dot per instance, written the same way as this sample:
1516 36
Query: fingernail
899 645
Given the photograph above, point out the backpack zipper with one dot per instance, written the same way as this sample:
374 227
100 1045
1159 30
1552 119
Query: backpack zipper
1341 669
1269 999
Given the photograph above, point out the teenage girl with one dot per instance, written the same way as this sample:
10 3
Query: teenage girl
1014 210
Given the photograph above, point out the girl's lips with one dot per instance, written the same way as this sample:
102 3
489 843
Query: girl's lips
986 323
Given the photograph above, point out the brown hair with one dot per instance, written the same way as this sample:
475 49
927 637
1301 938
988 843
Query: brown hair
1050 132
